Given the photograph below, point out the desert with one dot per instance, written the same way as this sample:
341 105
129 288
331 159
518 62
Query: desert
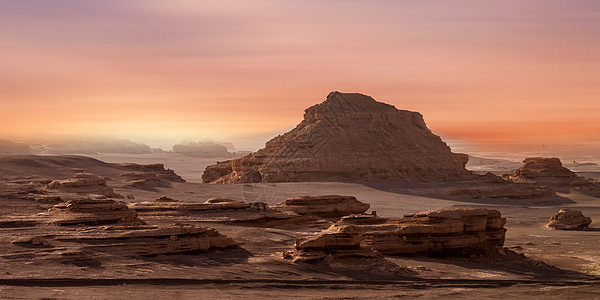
435 229
285 149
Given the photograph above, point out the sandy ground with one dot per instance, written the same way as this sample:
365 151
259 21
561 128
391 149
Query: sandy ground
256 269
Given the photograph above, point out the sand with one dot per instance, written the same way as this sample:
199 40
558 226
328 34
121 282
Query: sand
256 269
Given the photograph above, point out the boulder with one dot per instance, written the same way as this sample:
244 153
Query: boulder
569 219
92 212
84 183
348 137
324 206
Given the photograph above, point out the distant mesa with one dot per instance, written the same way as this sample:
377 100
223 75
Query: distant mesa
87 146
549 172
348 137
13 148
205 149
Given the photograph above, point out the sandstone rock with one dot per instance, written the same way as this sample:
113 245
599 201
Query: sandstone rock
202 149
550 172
219 210
340 248
170 204
149 242
157 169
144 180
432 233
540 169
324 206
569 219
84 183
330 242
92 212
349 137
504 190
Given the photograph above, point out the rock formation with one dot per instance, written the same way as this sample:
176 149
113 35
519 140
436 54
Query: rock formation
540 169
218 210
551 173
324 206
340 248
155 241
569 219
432 233
84 183
92 212
159 170
202 149
348 137
166 204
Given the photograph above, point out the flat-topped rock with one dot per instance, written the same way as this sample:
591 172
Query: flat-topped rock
432 233
348 137
324 206
84 183
538 169
549 172
92 212
569 219
164 204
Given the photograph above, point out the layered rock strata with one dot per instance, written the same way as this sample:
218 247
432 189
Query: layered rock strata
324 206
84 183
550 172
92 212
348 137
432 233
340 248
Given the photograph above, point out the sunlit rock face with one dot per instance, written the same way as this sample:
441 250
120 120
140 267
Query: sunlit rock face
569 219
348 137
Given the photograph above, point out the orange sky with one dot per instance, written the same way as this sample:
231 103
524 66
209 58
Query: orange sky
150 70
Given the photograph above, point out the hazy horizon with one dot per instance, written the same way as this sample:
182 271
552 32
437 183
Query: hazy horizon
491 73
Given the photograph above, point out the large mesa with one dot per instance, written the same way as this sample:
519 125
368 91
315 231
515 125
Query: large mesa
348 137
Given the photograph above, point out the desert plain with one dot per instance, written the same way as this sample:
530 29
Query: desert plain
114 226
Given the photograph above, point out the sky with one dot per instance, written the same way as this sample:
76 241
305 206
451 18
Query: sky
491 72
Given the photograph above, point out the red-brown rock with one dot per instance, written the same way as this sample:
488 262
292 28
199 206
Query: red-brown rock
349 137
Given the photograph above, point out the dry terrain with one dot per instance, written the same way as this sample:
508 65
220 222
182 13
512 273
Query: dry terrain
558 264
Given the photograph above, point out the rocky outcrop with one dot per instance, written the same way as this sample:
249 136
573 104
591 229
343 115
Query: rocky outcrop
569 219
159 170
433 233
149 242
91 246
219 210
166 204
540 169
340 248
323 206
92 212
349 137
202 149
84 183
551 173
